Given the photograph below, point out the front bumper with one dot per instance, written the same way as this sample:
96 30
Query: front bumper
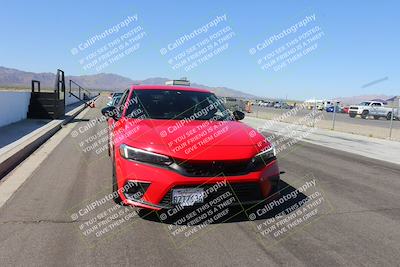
248 188
356 111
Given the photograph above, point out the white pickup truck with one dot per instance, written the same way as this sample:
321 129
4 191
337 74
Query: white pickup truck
373 108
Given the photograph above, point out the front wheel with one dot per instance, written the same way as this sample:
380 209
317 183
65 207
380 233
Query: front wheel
364 114
117 198
389 116
352 115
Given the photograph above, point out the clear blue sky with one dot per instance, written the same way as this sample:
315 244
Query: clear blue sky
360 42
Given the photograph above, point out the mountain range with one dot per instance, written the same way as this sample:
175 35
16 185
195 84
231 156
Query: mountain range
113 82
102 81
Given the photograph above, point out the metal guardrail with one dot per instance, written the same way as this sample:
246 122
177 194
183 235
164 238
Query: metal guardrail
84 95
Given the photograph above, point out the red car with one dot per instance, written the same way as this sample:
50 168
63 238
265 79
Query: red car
173 146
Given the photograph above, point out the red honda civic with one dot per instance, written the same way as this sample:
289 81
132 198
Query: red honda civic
176 146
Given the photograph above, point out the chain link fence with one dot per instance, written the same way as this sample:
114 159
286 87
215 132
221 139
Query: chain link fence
385 127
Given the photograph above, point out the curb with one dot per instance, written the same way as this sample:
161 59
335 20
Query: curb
363 146
13 154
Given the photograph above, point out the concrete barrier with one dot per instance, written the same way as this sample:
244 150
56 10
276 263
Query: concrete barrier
13 106
14 153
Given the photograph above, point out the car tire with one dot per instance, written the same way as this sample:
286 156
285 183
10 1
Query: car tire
117 198
352 115
389 116
364 114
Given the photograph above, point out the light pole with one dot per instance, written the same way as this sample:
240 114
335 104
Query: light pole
392 117
313 112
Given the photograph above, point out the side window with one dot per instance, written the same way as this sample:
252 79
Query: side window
140 102
121 103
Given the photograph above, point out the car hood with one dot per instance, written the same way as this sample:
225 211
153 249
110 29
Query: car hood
195 140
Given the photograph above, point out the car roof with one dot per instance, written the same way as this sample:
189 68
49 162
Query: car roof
169 87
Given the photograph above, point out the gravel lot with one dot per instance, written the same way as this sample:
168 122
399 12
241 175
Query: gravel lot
369 127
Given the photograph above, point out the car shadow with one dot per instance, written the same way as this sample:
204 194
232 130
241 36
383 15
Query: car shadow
237 213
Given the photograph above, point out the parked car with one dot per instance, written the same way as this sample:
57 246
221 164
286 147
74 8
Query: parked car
339 109
345 109
111 95
326 104
177 151
270 104
314 103
262 103
373 108
282 105
114 99
235 104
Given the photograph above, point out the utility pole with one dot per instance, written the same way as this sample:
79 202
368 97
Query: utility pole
392 117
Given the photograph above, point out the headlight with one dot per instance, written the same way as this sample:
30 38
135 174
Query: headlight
265 156
137 154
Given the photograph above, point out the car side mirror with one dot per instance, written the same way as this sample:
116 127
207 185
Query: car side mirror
238 115
110 112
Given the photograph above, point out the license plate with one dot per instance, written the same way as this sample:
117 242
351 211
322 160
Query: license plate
187 196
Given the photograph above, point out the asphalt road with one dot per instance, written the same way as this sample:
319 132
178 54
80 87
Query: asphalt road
358 225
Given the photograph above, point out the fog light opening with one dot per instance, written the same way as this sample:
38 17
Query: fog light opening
135 190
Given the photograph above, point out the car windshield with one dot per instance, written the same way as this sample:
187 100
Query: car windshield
365 103
116 99
176 105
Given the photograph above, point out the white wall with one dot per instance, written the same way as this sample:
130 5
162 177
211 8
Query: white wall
13 106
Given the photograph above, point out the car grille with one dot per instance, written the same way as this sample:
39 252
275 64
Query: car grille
243 192
217 168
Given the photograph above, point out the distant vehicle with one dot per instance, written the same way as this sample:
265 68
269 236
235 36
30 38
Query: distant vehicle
373 108
282 105
114 99
278 105
310 104
328 103
111 95
233 104
330 109
262 103
325 104
346 109
339 109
